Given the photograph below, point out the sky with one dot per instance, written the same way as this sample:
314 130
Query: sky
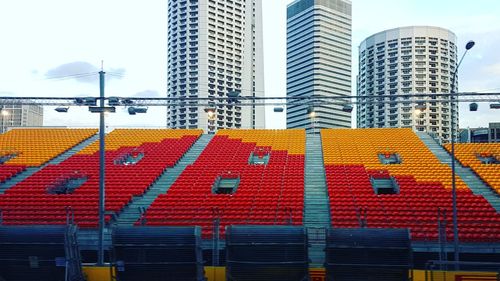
42 41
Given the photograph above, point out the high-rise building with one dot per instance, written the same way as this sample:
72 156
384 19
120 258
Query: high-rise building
488 134
214 49
319 62
402 62
494 132
16 115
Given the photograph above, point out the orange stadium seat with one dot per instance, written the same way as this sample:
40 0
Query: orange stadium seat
467 154
351 159
271 193
267 194
22 148
29 202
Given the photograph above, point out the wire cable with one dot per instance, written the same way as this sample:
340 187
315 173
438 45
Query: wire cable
72 76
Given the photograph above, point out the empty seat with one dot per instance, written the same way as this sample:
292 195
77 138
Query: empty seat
269 193
351 159
30 202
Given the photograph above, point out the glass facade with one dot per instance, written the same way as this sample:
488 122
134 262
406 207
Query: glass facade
319 62
15 115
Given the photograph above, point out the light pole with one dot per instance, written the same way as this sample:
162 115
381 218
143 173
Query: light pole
102 109
102 175
453 98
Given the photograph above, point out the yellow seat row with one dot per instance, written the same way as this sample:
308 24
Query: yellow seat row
291 140
34 147
469 155
363 146
136 137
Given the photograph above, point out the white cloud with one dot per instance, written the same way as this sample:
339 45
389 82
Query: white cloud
81 71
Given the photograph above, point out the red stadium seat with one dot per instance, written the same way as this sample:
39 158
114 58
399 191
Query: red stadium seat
28 202
267 194
351 159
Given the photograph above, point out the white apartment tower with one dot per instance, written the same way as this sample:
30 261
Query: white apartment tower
214 49
17 115
399 63
319 62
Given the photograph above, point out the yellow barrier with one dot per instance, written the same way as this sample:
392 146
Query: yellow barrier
215 273
437 275
98 273
218 273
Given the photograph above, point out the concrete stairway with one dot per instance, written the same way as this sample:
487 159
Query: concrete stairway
57 160
476 185
316 202
73 150
132 212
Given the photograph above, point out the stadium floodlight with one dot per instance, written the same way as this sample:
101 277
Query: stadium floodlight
209 109
311 112
278 109
233 96
495 105
210 112
89 101
473 106
141 109
105 109
134 110
113 101
211 119
347 108
127 101
181 101
4 112
62 109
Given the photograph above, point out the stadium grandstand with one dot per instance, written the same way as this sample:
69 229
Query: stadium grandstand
246 205
482 159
